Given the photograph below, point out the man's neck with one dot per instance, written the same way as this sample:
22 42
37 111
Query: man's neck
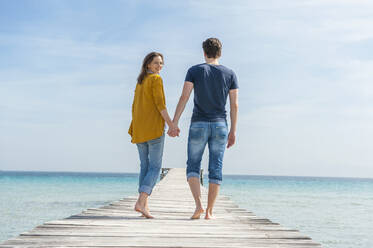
212 61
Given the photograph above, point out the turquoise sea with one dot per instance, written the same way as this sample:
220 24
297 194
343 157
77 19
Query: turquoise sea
336 212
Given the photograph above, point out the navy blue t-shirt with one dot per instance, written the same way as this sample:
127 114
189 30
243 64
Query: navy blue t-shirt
211 88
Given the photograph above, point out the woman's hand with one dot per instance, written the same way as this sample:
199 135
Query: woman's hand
173 130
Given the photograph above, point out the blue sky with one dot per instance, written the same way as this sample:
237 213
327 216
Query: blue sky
68 71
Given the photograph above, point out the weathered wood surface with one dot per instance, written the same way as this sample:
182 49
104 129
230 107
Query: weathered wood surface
117 225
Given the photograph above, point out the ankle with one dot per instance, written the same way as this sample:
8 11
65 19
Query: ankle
141 203
199 206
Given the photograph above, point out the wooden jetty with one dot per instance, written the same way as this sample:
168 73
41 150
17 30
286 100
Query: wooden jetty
118 225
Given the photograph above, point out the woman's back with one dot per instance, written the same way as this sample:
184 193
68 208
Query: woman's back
147 122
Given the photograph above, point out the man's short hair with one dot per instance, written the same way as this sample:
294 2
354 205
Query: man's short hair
212 47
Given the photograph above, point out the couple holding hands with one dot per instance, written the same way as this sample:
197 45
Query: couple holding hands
212 84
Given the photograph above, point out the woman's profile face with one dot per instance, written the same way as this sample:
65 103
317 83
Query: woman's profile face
156 65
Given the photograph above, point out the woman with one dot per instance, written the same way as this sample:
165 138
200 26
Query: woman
149 115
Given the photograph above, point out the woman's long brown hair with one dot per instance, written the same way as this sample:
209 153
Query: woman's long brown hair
147 60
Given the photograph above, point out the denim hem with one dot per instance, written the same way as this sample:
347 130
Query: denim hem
215 181
192 174
145 189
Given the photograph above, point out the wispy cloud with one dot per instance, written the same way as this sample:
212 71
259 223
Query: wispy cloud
68 74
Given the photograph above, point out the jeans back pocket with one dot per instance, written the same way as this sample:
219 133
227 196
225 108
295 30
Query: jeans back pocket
196 134
221 133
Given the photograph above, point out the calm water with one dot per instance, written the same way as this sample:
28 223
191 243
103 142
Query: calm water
28 199
337 212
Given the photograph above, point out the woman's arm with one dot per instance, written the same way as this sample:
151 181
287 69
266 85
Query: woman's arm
167 118
159 99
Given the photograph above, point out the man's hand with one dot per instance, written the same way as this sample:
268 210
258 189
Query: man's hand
231 139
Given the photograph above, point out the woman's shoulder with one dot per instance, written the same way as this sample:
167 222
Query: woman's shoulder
153 76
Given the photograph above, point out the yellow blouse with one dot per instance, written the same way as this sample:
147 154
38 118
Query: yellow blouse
147 122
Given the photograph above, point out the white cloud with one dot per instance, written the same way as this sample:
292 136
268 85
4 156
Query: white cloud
301 94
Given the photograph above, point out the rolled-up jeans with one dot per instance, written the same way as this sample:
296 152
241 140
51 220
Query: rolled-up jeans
215 134
150 153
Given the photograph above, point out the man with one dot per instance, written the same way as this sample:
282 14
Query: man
212 83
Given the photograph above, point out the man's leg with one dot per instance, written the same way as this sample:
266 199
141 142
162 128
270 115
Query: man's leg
217 143
194 185
213 193
196 145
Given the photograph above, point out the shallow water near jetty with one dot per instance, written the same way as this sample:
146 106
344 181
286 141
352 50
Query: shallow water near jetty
28 199
336 212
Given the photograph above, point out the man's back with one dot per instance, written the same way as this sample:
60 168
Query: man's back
212 83
211 88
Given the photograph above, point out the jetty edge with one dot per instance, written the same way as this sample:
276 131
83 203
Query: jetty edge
118 225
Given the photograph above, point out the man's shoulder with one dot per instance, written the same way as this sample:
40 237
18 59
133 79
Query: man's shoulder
197 67
200 68
226 69
206 66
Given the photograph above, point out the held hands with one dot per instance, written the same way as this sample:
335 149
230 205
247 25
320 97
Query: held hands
173 130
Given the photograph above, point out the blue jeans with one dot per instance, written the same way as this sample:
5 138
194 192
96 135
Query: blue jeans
150 153
215 134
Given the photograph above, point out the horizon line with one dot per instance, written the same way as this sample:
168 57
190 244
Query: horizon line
254 175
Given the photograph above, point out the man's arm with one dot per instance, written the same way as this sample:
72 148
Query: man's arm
187 90
233 100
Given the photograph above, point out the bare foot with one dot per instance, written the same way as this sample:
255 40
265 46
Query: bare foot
209 215
143 210
197 213
147 209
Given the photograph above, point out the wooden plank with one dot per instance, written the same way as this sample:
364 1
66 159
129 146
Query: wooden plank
118 225
154 240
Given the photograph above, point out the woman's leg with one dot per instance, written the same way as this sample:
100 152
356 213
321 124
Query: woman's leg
141 204
143 149
155 164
